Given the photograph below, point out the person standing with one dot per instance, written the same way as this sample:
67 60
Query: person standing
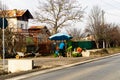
54 44
62 49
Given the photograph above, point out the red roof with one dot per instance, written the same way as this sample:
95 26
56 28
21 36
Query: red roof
13 13
36 27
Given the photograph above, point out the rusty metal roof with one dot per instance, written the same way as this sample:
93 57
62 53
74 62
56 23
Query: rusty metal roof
36 27
12 13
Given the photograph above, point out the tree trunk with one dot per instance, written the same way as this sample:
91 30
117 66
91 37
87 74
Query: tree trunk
103 44
107 44
97 44
54 31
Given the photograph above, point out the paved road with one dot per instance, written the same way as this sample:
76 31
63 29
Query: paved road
105 69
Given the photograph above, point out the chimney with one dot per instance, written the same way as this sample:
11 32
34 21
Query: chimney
15 12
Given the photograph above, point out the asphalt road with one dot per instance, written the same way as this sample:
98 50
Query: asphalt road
105 69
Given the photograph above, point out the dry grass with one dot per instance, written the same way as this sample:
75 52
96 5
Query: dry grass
113 50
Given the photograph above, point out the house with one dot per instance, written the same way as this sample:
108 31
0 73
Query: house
17 19
39 33
88 38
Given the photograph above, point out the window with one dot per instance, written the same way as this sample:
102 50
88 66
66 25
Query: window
22 26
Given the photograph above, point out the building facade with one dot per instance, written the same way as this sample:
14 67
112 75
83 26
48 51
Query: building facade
17 19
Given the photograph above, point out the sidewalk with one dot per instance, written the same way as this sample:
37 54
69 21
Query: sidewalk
45 64
52 62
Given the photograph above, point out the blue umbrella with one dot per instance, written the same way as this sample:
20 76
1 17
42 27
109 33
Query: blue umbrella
60 36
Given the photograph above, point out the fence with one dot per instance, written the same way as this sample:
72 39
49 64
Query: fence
83 44
43 48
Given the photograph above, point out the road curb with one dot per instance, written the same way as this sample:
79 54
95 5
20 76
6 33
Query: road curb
58 68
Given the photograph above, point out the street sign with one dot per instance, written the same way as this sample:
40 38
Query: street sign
3 23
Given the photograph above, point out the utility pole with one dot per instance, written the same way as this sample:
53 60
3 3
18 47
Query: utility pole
3 36
103 28
3 25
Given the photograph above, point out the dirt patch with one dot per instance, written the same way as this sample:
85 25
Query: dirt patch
42 63
100 52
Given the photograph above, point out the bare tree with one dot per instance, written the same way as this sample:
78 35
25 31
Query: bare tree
113 36
3 7
59 13
104 34
8 35
75 33
95 24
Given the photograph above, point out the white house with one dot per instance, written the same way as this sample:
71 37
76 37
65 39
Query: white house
17 19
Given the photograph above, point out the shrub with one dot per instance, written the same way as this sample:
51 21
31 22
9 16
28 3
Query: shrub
76 54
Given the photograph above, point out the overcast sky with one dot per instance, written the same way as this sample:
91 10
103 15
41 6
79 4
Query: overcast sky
111 7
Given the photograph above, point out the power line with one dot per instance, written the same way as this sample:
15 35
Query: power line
111 5
106 3
116 1
112 14
116 8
